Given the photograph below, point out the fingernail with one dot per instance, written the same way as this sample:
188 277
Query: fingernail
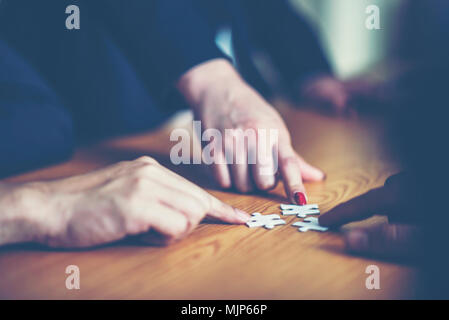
300 198
242 215
357 241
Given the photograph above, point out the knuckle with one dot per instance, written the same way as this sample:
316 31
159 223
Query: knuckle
136 225
266 184
146 169
208 202
138 183
180 228
196 207
290 161
147 159
197 212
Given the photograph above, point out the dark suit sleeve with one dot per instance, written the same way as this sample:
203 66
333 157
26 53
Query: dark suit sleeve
34 128
287 37
163 38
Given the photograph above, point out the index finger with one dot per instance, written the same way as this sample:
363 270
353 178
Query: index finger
224 212
356 209
289 166
216 208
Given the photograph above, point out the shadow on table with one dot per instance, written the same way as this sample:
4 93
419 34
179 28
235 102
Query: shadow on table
340 250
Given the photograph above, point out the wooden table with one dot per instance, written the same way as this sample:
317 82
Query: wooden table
225 261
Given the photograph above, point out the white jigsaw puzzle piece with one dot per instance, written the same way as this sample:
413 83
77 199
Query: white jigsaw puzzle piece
300 211
310 223
268 221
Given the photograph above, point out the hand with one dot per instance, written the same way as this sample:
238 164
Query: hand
130 198
398 239
223 101
326 92
367 93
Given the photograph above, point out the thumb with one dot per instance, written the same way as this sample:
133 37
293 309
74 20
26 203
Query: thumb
386 240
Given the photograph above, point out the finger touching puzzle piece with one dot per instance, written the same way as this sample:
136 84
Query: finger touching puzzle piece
310 223
268 221
300 211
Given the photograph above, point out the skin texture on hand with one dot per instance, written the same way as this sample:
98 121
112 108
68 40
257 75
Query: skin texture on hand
131 198
20 218
221 100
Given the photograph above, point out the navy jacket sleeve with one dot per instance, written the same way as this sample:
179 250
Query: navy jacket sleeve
34 128
287 37
164 38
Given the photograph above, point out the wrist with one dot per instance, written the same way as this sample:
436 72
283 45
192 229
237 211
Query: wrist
213 75
21 213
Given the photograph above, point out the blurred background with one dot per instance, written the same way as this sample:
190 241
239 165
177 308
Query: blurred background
350 48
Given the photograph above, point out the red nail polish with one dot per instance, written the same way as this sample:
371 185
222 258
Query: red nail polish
300 198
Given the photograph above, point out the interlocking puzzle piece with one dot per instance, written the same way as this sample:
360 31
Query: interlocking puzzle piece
300 211
310 223
268 221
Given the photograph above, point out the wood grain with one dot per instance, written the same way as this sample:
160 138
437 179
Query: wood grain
223 261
